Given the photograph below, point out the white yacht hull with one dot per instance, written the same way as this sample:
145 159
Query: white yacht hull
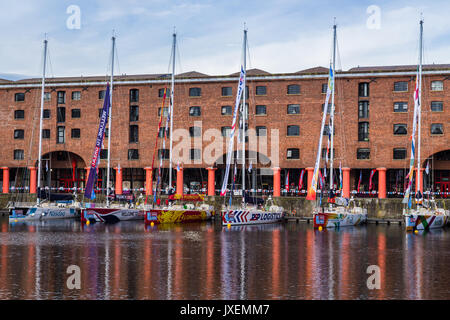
249 217
43 213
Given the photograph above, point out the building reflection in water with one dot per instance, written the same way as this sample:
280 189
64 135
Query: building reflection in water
203 261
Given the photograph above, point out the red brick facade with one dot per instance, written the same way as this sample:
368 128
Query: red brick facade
381 119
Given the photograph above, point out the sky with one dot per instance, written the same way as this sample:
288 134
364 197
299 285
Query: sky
283 35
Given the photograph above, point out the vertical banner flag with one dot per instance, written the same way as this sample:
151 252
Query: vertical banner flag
233 130
427 169
320 180
312 190
413 139
98 145
370 179
300 180
360 178
340 176
286 185
250 167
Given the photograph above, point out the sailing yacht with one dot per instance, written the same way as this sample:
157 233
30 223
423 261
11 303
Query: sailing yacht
43 210
110 213
180 208
340 211
246 213
426 215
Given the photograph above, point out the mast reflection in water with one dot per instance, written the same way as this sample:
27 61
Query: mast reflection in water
204 261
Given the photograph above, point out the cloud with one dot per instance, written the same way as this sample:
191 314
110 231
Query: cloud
284 36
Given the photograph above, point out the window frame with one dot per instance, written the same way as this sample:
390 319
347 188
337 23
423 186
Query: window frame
397 83
291 86
292 126
292 154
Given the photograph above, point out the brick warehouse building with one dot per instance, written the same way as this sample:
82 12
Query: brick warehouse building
373 122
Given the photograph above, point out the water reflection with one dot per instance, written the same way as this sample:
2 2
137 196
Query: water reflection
204 261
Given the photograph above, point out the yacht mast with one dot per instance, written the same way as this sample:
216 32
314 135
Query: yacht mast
40 122
171 107
113 39
419 109
244 112
332 110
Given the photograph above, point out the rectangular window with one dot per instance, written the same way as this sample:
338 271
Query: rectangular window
437 128
363 109
363 154
399 153
226 110
363 89
401 86
328 109
293 109
134 95
61 114
46 114
76 95
161 93
195 154
45 133
195 111
400 107
293 130
437 106
134 113
363 131
261 90
227 91
195 92
101 94
195 131
324 153
226 131
75 133
260 110
61 97
437 86
61 136
104 154
133 154
161 133
293 153
163 154
18 154
47 96
261 131
76 113
134 134
19 134
19 114
327 130
293 89
400 129
324 87
20 96
165 112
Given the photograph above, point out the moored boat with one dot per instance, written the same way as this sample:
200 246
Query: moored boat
339 216
426 215
248 212
340 211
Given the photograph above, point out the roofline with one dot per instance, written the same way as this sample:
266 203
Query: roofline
234 78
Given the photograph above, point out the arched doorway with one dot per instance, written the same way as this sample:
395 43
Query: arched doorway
62 170
438 178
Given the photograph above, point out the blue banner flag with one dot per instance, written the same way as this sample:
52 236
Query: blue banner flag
98 145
